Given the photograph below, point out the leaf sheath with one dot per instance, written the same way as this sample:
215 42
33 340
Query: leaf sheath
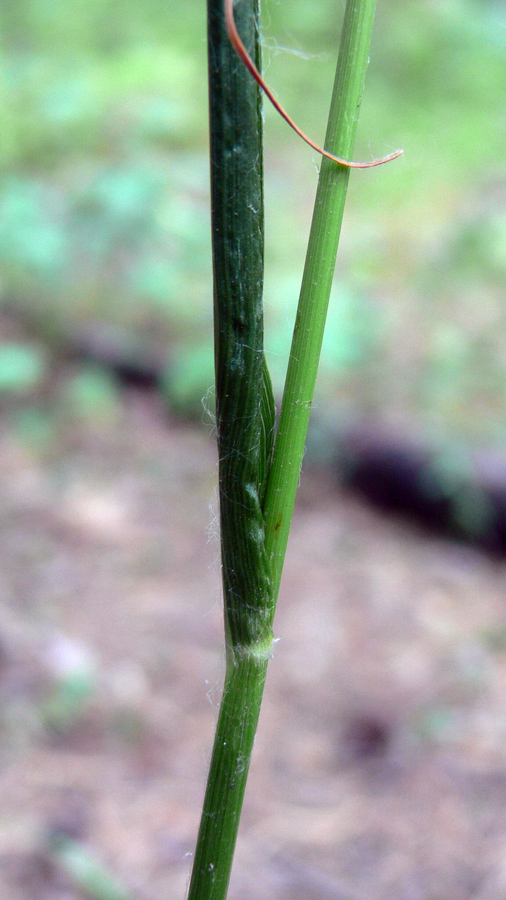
245 421
238 249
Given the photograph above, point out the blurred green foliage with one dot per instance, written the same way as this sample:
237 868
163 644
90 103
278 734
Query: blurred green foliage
22 367
104 199
86 870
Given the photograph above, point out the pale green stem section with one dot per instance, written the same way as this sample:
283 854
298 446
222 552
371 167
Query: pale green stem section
235 733
317 282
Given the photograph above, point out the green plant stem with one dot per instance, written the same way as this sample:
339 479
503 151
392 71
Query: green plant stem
235 733
317 282
243 411
255 517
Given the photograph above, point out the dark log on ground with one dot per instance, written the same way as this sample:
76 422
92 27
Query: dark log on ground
446 490
114 351
133 362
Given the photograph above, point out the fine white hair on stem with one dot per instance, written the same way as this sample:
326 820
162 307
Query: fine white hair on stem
213 528
272 46
208 404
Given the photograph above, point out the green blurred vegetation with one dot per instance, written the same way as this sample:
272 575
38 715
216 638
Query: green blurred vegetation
104 217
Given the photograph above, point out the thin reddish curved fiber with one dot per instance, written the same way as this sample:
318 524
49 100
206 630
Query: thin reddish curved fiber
241 51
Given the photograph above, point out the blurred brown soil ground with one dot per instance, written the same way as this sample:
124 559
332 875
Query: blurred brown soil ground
379 770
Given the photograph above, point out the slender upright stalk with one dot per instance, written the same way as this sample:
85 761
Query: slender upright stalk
317 281
257 490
